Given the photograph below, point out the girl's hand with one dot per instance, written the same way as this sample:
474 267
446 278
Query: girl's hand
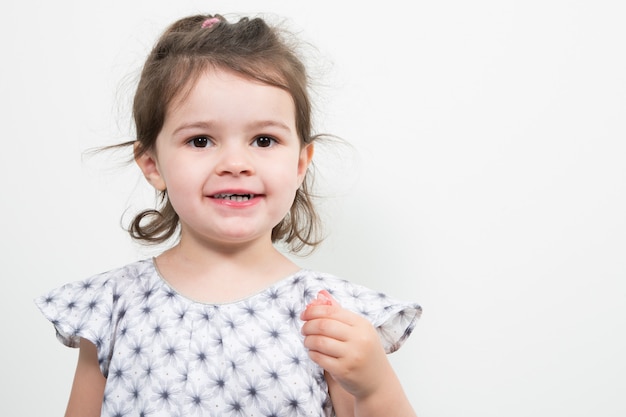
346 345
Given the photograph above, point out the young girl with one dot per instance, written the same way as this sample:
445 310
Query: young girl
222 323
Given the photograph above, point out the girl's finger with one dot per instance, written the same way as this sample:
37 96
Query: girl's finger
326 346
334 329
323 299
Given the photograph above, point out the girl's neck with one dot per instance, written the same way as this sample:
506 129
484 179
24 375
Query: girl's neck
206 274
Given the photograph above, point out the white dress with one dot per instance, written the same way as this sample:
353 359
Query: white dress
166 355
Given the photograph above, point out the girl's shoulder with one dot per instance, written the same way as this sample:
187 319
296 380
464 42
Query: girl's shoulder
127 272
340 288
80 308
116 282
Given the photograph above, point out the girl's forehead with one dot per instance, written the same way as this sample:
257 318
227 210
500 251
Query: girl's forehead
214 79
225 95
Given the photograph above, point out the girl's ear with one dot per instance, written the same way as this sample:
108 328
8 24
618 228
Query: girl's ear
306 156
148 164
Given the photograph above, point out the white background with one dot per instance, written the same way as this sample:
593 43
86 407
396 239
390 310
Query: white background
487 182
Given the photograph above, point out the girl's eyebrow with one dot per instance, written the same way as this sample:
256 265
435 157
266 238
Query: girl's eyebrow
193 125
271 123
254 125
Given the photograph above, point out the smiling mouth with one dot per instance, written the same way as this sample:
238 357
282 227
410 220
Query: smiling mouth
234 197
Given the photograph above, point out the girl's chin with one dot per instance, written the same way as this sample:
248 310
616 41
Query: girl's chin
233 237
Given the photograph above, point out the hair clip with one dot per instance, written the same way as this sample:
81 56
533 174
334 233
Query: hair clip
210 22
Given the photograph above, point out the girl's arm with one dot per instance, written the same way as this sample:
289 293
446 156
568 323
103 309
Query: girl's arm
392 402
88 387
361 380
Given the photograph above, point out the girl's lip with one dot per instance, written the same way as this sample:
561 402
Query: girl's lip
231 191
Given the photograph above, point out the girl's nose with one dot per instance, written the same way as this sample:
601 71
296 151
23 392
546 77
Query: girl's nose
234 162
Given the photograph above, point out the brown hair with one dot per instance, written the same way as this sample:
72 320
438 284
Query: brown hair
249 47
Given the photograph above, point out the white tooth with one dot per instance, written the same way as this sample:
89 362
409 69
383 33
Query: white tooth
234 197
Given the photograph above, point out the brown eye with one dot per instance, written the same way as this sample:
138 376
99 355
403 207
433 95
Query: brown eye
264 141
199 142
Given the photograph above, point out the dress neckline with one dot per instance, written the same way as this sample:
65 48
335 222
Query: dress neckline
280 282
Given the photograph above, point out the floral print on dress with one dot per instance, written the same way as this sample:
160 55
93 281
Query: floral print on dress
166 355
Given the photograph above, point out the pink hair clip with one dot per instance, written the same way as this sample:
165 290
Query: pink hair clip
210 22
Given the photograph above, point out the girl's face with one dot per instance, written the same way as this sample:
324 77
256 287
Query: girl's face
229 157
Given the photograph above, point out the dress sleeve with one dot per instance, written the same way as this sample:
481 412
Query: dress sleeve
393 319
80 309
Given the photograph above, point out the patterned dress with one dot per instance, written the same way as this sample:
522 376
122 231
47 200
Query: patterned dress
166 355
